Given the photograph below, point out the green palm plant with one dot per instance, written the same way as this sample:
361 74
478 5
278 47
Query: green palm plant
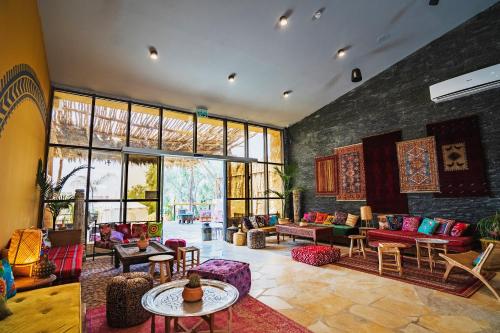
287 175
50 190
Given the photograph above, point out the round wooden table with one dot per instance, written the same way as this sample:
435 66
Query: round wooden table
166 300
433 246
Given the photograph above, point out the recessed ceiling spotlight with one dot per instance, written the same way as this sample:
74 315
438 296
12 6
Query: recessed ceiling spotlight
231 77
153 53
287 93
283 21
317 14
356 75
341 53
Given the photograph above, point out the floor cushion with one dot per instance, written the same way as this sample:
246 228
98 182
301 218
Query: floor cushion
316 255
68 260
236 273
174 244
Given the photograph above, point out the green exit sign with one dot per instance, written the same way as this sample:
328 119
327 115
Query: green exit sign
202 112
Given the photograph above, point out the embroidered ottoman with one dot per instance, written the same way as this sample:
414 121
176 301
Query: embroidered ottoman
256 239
233 272
175 243
316 255
123 299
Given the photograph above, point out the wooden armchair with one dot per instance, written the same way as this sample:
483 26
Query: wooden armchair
464 261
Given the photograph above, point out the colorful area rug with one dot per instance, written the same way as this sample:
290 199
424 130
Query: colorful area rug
461 164
381 167
418 165
351 169
326 176
459 282
249 316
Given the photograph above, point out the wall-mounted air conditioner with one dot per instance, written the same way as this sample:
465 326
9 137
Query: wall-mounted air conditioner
467 84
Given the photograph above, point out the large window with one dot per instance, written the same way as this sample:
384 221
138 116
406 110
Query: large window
92 130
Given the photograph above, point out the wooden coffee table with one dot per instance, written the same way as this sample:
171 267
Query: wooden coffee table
310 231
129 254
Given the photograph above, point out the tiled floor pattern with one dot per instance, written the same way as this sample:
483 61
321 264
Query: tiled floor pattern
336 299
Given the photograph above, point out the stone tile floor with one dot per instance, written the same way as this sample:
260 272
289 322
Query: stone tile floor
336 299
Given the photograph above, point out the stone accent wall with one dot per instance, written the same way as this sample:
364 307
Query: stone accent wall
398 98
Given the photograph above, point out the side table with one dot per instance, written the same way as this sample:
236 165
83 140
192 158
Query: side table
433 246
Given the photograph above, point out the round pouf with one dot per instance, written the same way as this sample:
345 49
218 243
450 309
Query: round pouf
256 239
123 299
175 243
229 234
239 238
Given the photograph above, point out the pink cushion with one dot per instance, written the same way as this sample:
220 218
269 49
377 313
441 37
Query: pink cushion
458 229
411 223
124 228
316 255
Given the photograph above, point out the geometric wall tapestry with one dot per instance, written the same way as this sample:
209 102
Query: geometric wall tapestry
418 165
351 173
326 176
461 165
17 84
382 178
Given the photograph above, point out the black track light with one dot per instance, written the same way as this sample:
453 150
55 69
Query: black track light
356 75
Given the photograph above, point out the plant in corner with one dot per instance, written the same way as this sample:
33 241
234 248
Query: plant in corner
287 175
489 229
50 191
192 290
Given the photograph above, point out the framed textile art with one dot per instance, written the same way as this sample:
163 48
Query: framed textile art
461 166
418 165
326 175
351 173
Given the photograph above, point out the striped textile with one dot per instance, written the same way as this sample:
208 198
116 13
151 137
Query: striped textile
68 260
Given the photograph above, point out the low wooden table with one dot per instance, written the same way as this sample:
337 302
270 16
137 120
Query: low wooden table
433 246
310 231
129 254
29 283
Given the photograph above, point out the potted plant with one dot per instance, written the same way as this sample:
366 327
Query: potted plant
50 191
489 229
192 290
286 175
143 242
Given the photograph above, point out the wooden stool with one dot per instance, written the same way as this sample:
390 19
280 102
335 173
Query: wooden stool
164 261
182 253
360 245
392 264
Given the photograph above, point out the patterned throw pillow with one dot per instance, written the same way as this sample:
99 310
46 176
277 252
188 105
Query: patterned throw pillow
246 224
311 217
260 221
105 232
444 227
351 220
395 222
383 224
320 217
273 220
253 220
7 285
340 217
265 220
330 219
138 229
124 228
155 229
410 223
428 226
458 229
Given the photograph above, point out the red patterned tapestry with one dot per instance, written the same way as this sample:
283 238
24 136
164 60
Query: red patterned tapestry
418 165
351 173
326 176
382 178
461 166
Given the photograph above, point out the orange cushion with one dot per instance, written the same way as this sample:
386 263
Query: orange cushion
321 217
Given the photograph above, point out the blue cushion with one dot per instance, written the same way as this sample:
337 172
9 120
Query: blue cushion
7 286
273 220
478 259
428 226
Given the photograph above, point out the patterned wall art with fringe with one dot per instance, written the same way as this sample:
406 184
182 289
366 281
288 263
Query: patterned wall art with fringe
18 84
351 173
326 176
418 165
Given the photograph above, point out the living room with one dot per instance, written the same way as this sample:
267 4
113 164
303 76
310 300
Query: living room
257 166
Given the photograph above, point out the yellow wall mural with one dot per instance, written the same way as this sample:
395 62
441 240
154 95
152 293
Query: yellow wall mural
24 95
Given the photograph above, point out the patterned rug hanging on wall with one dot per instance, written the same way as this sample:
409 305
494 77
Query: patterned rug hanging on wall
461 165
326 176
418 165
351 173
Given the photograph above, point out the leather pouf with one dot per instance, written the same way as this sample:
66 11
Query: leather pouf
123 299
175 243
256 239
239 238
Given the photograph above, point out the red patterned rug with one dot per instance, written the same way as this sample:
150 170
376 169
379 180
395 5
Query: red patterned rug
459 282
249 316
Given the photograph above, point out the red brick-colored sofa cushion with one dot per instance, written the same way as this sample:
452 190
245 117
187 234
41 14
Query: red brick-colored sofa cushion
456 244
316 255
68 260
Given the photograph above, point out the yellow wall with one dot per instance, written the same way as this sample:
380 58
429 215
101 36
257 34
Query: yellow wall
22 139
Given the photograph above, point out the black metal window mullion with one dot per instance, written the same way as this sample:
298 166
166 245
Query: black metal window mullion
195 134
89 166
224 138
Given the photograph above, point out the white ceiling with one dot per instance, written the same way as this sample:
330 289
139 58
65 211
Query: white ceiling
101 45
